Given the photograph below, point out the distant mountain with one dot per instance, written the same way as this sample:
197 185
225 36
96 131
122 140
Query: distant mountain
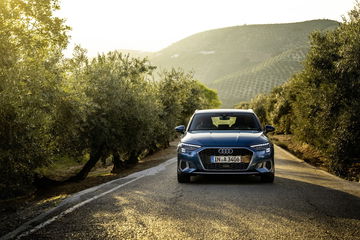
242 61
136 53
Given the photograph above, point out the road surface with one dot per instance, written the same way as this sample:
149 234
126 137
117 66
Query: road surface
302 203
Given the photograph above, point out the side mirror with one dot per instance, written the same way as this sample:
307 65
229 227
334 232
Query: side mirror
269 128
180 129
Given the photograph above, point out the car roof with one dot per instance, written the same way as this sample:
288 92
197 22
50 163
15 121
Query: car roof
225 111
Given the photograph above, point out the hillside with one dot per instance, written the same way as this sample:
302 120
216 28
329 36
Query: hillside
243 61
259 78
136 53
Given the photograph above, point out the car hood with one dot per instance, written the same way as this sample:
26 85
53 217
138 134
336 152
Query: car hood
224 138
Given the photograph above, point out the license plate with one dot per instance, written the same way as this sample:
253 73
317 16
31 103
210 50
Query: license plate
225 159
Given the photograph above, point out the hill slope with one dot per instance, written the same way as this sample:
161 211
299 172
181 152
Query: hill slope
243 61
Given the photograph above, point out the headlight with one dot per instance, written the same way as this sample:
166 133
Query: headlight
262 150
186 148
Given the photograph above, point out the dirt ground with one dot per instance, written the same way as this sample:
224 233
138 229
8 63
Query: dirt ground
312 156
301 150
15 212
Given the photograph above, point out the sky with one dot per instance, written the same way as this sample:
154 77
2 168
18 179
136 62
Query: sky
151 25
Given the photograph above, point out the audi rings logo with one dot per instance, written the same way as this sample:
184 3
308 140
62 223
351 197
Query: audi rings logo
225 151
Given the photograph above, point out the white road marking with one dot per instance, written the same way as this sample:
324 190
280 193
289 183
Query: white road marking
136 176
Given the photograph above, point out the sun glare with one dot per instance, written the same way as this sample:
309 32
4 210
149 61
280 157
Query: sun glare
101 26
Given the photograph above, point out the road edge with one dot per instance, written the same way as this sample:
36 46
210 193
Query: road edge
312 166
80 199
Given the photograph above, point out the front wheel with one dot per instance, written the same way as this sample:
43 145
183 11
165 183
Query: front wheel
183 178
267 178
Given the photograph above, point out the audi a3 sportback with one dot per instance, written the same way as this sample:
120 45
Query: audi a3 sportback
225 141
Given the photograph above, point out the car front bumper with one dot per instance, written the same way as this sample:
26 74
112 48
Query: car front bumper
191 163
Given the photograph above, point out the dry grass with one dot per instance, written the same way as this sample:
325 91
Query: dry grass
311 155
302 150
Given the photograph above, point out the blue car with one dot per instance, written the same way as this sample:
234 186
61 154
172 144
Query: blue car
225 141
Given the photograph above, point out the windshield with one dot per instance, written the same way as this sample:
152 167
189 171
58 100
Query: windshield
224 121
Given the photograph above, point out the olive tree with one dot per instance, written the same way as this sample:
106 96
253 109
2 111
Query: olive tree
31 41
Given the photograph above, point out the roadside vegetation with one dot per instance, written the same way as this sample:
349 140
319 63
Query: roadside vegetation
320 106
79 109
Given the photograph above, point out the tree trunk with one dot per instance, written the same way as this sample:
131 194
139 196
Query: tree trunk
166 144
118 164
152 149
94 158
103 160
44 182
133 158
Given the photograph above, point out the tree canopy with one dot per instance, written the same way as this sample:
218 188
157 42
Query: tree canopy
321 104
52 107
31 41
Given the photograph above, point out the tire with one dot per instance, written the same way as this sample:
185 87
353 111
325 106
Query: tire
183 178
267 178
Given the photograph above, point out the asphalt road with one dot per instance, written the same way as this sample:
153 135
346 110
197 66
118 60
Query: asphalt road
302 203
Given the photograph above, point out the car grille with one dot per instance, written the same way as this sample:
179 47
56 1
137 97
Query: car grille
245 154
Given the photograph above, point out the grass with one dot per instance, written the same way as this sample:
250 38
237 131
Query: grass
62 167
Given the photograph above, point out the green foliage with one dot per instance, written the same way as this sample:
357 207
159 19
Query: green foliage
31 40
120 111
180 95
320 105
53 108
209 97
